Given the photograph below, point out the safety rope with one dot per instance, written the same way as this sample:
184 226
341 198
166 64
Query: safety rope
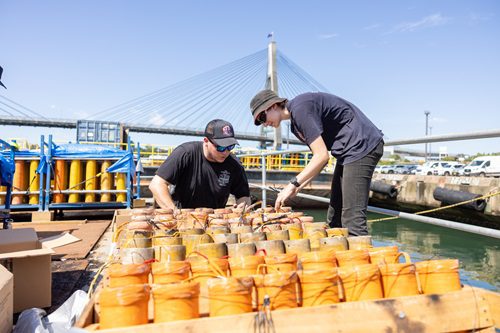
27 190
439 208
59 190
88 179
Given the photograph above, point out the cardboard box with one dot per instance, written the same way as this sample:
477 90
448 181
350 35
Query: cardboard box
18 240
42 216
139 203
120 217
29 260
6 300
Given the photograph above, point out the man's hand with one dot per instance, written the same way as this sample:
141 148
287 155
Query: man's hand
287 193
242 202
240 205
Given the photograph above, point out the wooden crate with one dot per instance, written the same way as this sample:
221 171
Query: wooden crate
465 310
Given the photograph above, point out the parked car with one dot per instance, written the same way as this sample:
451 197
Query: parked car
413 169
457 169
405 169
445 170
429 167
483 166
387 169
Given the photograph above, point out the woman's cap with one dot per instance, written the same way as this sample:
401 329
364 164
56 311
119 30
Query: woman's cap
263 101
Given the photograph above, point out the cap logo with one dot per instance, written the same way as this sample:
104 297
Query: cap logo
226 130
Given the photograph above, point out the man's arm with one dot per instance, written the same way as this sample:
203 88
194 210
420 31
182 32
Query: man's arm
159 188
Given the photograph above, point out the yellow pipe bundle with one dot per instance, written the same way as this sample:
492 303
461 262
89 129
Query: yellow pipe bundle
34 183
75 176
121 185
2 196
106 181
20 182
90 180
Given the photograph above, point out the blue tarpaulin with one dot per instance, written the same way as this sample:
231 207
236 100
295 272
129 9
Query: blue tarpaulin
87 151
123 165
42 166
75 151
71 151
6 171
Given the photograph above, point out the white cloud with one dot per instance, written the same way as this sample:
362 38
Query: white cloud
157 119
430 21
372 27
476 17
328 36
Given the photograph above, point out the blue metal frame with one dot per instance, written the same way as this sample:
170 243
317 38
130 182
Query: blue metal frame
8 195
41 202
129 187
138 173
44 201
84 205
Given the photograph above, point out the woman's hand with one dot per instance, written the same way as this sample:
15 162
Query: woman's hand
287 193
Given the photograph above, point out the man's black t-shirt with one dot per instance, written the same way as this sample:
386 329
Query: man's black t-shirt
347 132
199 182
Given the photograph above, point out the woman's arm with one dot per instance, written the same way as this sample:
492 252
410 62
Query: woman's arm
317 163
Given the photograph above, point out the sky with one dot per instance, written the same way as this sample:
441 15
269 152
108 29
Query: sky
393 59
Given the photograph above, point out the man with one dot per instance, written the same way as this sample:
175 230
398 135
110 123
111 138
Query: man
202 174
325 123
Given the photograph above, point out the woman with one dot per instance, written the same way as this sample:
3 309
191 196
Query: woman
325 123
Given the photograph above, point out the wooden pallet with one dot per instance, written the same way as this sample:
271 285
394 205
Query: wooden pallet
465 310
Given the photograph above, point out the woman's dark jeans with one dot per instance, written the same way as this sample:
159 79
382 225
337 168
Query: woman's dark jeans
350 191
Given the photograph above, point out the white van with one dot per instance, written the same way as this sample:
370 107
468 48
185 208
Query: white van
483 166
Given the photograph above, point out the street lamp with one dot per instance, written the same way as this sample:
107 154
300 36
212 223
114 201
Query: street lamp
427 113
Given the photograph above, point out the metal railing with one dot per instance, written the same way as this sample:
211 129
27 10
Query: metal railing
289 160
409 216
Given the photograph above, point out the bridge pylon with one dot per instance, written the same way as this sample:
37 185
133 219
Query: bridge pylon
272 83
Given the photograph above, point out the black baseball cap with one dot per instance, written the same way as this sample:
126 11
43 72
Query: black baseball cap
221 133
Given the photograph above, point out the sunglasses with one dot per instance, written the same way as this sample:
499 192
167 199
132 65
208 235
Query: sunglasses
222 149
262 117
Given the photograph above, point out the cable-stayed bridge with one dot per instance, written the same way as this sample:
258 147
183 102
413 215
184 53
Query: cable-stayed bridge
186 107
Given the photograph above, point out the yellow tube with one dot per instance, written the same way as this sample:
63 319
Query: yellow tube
19 183
90 180
60 181
34 179
106 181
2 196
74 179
120 185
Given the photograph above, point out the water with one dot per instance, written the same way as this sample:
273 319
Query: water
479 256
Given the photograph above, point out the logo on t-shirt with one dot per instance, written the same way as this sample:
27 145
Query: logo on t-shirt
224 178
